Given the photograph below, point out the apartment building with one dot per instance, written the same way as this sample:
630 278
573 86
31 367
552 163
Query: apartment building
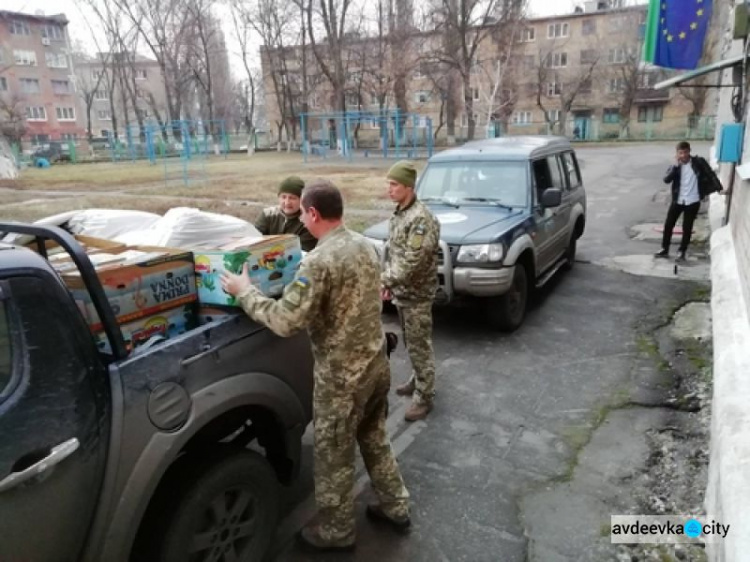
578 74
38 101
119 92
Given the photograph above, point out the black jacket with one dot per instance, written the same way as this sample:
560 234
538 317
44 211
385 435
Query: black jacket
708 182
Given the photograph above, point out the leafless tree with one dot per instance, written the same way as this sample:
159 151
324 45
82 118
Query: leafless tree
465 24
12 117
561 79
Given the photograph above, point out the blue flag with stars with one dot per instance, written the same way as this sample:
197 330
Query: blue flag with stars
676 32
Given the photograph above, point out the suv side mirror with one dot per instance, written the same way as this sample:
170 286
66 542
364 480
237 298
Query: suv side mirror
551 197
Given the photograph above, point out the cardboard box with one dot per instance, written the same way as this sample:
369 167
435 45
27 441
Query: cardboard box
138 281
167 324
89 243
272 260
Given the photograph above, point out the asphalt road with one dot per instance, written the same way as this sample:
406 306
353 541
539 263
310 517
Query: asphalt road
511 409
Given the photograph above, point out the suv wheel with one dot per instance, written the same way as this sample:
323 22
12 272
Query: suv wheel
225 508
570 253
507 311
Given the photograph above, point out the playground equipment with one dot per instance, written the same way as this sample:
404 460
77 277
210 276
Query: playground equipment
386 133
182 146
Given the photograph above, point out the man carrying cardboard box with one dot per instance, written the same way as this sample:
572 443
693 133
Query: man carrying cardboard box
336 296
285 218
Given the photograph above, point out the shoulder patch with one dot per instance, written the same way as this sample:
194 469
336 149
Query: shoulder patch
293 295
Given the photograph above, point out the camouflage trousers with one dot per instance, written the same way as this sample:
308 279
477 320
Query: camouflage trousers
416 324
340 422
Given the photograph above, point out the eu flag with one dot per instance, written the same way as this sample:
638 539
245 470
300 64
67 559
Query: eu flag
676 31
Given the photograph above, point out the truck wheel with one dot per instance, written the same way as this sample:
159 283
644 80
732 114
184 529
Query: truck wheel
507 311
226 509
570 253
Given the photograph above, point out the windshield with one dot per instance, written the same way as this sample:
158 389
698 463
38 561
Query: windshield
479 182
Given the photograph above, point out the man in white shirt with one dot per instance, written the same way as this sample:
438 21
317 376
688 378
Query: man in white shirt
692 181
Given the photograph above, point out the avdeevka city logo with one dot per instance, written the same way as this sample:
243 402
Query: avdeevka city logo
693 528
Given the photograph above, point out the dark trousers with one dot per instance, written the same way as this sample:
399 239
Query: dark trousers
675 210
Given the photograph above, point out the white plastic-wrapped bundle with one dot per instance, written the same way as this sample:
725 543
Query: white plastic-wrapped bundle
110 223
188 228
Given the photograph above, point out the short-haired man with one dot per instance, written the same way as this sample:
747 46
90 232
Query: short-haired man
409 278
285 217
692 181
336 296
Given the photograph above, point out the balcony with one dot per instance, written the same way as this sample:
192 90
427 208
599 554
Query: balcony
649 95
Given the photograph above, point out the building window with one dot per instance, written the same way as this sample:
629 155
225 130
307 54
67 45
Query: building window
586 86
101 95
475 94
616 85
621 23
616 56
3 84
555 30
56 60
650 113
60 87
611 115
65 114
588 27
24 58
104 133
140 74
37 113
18 27
553 116
423 96
104 115
95 74
647 80
589 56
69 137
522 117
39 139
528 35
557 60
30 85
553 89
53 32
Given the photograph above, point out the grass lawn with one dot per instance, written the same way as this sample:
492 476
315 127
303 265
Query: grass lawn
238 185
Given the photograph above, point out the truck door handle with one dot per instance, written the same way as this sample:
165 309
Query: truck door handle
56 456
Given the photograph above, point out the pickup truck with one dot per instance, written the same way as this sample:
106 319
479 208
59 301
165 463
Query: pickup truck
511 211
172 452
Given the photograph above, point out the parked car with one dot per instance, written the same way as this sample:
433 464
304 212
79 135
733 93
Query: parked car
52 152
511 210
138 455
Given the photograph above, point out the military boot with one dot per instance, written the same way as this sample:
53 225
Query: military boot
375 512
406 389
417 411
310 539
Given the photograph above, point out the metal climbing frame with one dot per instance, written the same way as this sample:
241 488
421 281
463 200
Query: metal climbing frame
337 133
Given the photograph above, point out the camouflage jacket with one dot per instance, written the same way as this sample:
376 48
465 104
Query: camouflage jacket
336 296
273 221
410 270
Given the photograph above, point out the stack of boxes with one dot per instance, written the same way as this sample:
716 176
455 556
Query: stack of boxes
156 291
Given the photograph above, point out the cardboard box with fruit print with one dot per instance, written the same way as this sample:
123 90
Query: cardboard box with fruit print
272 262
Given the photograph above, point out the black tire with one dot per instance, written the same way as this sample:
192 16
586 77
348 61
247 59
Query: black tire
228 504
506 312
570 253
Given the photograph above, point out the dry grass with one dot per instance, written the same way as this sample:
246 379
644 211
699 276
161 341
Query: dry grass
238 185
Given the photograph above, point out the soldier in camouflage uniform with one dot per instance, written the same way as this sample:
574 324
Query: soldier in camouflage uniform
336 297
285 217
410 280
